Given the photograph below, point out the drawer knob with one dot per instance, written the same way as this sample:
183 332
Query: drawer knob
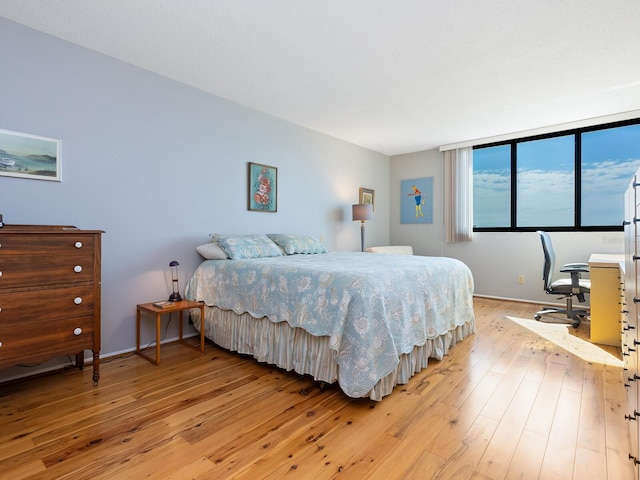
0 273
77 331
78 244
77 268
0 344
77 300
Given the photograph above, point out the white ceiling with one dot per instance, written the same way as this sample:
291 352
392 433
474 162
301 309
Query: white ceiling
395 76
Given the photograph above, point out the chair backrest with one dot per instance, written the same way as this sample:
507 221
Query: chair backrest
549 259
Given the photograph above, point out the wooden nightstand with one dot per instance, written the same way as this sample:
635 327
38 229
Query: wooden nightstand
158 312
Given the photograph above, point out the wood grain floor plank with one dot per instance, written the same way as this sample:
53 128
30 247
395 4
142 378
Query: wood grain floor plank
542 413
304 422
497 457
199 467
453 432
590 464
415 464
23 469
462 464
559 459
527 456
592 433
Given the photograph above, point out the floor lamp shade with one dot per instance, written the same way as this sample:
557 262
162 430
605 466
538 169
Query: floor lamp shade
362 212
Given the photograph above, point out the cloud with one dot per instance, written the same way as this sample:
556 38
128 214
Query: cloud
546 197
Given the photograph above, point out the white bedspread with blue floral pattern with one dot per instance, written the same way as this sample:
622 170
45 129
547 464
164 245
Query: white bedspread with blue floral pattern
373 307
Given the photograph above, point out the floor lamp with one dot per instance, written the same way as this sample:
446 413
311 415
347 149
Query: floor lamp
362 212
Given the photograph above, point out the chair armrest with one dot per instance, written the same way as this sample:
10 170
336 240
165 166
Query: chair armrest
575 267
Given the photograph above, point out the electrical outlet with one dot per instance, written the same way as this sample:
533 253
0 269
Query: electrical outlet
520 279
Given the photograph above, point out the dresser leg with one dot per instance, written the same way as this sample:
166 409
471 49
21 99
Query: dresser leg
80 360
96 368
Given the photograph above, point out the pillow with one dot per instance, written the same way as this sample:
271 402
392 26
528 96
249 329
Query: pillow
238 247
296 243
211 251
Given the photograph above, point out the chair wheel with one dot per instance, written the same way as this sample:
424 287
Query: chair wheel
575 324
537 317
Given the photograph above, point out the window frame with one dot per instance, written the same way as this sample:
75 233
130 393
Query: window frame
577 226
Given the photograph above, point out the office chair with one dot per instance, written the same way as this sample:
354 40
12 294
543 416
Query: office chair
565 287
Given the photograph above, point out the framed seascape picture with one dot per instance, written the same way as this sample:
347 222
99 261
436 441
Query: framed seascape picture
263 188
29 156
416 200
367 196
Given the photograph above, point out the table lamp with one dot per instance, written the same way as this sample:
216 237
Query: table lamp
362 212
175 296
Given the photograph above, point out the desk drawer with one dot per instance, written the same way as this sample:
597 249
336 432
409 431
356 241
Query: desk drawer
606 308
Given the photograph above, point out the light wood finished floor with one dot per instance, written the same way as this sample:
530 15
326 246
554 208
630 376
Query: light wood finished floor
505 403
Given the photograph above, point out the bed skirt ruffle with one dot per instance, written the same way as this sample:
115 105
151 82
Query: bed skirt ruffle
292 348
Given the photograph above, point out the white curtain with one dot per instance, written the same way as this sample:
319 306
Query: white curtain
458 195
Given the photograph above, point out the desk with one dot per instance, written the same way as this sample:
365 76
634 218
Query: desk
607 282
180 307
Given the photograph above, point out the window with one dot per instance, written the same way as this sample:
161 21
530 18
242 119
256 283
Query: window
609 159
571 180
545 182
492 186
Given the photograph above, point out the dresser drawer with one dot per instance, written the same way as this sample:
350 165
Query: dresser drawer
18 271
38 306
25 342
65 244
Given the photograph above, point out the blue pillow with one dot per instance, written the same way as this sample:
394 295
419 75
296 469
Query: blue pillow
238 247
296 243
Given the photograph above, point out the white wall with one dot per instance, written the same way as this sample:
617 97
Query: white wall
495 259
159 166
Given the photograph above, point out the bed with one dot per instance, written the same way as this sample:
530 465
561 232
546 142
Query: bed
366 321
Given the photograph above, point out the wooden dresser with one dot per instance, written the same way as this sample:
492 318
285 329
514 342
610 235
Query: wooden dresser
49 294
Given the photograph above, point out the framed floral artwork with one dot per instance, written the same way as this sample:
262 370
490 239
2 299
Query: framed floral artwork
263 188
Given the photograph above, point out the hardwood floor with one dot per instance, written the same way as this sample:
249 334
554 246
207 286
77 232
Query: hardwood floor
505 403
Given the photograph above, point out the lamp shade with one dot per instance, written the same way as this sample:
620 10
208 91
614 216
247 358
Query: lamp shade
362 211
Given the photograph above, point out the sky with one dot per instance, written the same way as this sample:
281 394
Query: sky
545 181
